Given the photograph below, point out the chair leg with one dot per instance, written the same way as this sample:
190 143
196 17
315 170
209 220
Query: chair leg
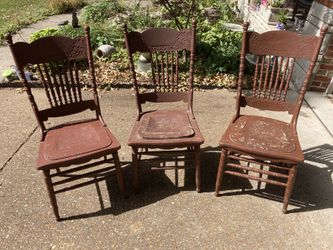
52 195
289 188
197 169
120 177
246 172
260 176
135 170
220 171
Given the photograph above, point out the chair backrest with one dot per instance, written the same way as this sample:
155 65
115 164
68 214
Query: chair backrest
59 62
171 72
275 54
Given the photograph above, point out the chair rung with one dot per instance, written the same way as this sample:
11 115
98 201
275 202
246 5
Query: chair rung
257 162
82 184
82 167
166 159
157 153
246 176
169 168
257 170
89 174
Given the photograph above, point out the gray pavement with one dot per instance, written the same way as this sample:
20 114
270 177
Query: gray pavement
163 215
322 106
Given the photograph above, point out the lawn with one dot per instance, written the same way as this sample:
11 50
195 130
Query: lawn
15 14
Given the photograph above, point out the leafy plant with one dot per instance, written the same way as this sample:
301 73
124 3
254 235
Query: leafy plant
282 16
181 11
100 11
217 47
62 6
218 51
277 3
99 34
9 74
43 33
141 18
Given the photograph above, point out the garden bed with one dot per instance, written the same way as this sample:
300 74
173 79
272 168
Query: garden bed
217 59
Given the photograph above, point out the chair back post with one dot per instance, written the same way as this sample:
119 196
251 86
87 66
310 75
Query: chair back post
133 74
23 79
191 78
92 71
241 69
301 95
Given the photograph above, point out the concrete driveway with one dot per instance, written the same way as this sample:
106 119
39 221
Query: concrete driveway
163 215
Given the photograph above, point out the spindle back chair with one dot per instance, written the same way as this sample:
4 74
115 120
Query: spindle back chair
60 62
171 80
263 142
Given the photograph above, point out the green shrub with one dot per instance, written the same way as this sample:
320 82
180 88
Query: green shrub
218 49
63 6
277 3
99 34
43 33
100 11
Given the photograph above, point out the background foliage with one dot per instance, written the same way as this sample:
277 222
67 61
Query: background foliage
16 14
217 47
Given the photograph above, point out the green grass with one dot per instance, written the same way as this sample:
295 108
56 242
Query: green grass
15 14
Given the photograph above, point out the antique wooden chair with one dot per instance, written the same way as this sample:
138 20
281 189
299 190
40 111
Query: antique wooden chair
59 62
171 132
255 147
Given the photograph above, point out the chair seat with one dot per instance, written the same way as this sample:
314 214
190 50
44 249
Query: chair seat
165 128
263 137
75 143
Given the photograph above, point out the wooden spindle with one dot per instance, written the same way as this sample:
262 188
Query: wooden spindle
46 88
261 75
172 72
277 77
68 86
153 71
51 85
283 78
286 87
167 71
266 76
255 77
272 77
61 83
177 70
162 71
158 72
77 79
71 76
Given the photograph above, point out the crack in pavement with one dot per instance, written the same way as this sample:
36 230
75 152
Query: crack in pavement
15 152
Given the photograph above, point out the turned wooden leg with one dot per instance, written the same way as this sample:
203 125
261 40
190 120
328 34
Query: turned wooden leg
289 188
120 177
197 169
260 176
52 195
135 170
220 171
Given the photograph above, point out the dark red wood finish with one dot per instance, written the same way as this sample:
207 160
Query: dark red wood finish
161 132
58 61
266 144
